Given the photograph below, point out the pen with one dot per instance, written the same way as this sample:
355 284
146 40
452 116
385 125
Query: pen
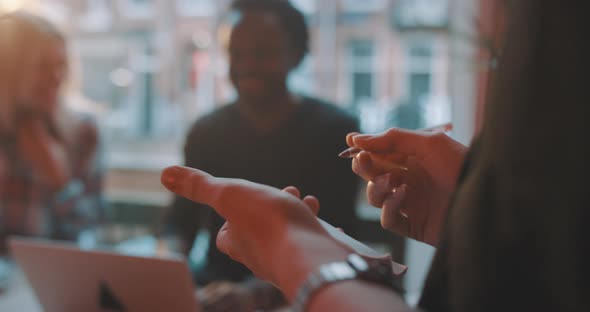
353 151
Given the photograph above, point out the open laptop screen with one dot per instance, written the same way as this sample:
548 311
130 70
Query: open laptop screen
66 278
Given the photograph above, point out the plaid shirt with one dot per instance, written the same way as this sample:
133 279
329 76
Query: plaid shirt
29 207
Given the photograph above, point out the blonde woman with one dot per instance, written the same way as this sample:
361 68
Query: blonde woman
49 184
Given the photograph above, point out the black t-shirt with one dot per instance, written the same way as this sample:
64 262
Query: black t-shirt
517 235
302 152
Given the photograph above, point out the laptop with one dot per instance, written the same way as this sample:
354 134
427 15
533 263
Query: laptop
66 278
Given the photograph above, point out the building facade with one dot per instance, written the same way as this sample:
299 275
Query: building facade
155 65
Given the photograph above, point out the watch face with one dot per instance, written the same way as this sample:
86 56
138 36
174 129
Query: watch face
338 271
358 263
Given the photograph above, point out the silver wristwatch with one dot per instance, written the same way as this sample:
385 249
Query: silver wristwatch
355 267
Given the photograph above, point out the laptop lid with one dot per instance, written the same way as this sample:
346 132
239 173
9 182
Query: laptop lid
66 278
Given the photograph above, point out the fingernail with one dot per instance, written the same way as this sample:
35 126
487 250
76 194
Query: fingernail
350 152
170 176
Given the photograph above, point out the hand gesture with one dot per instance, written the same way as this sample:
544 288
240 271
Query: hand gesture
273 232
411 175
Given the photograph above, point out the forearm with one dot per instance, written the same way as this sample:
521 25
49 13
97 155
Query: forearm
307 252
300 255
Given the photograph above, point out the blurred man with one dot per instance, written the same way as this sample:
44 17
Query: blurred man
269 135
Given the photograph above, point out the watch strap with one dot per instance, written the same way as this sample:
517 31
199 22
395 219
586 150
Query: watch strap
355 267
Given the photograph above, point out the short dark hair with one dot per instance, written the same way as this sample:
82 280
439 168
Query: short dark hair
291 19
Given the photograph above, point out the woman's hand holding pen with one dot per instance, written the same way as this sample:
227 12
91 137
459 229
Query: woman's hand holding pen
412 175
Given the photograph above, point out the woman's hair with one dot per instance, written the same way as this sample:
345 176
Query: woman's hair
23 39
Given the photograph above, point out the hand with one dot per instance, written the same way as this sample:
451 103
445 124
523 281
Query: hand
414 199
226 297
273 232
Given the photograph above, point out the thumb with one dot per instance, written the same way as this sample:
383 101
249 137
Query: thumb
223 240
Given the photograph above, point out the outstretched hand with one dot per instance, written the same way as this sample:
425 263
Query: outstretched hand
273 232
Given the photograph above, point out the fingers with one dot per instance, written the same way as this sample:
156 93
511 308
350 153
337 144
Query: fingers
393 140
350 137
370 166
223 241
293 191
392 217
363 166
313 204
380 187
220 193
377 192
193 184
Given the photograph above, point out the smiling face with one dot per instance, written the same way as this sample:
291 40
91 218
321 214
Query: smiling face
261 58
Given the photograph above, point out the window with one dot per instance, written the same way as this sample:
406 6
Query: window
361 66
410 114
419 72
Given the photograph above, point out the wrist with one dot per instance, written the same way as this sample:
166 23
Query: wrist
301 253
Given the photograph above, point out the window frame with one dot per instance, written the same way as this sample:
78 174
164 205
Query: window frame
366 65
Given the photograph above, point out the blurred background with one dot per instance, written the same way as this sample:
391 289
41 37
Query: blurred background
146 69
